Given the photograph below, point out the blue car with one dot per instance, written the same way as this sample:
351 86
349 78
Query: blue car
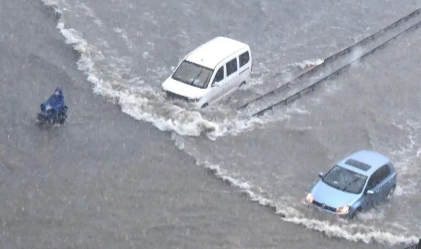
53 110
356 183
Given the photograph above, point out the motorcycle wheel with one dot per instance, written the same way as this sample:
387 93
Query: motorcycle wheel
61 119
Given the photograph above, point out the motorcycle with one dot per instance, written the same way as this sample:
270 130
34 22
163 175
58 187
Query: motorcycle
53 110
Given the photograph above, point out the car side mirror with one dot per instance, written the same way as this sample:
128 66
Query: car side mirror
370 192
320 174
173 69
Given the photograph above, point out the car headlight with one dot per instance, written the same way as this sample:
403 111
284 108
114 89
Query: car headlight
343 210
309 198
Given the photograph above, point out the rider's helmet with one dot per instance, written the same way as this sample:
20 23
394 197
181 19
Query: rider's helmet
57 92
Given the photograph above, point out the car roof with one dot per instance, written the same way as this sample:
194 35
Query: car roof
214 51
365 162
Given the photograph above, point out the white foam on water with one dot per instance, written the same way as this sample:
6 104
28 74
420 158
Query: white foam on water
89 12
124 36
253 82
292 72
308 63
296 108
262 74
341 231
408 155
373 214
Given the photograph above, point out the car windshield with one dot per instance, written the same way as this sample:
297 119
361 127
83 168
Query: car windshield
345 180
192 74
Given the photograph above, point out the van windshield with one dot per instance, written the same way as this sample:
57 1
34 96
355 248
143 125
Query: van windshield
193 74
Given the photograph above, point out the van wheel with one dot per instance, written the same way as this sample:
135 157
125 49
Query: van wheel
242 84
204 105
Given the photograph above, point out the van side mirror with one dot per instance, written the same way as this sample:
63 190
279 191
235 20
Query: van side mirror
215 84
370 192
321 174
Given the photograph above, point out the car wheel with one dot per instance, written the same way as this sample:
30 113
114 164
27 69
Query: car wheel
204 105
242 84
356 212
392 191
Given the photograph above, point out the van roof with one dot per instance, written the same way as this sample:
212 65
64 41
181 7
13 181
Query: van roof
214 51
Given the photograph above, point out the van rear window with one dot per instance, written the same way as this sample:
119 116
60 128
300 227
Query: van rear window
244 58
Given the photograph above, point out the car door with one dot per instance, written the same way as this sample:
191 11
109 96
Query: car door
384 182
372 200
216 87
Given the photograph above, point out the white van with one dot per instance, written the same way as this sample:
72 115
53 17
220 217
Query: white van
210 72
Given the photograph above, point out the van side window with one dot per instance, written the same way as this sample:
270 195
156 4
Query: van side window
231 66
244 58
218 76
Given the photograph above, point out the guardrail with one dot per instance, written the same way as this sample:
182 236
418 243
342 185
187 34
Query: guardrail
331 75
335 56
416 246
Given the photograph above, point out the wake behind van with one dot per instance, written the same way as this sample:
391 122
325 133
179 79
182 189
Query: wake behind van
210 72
